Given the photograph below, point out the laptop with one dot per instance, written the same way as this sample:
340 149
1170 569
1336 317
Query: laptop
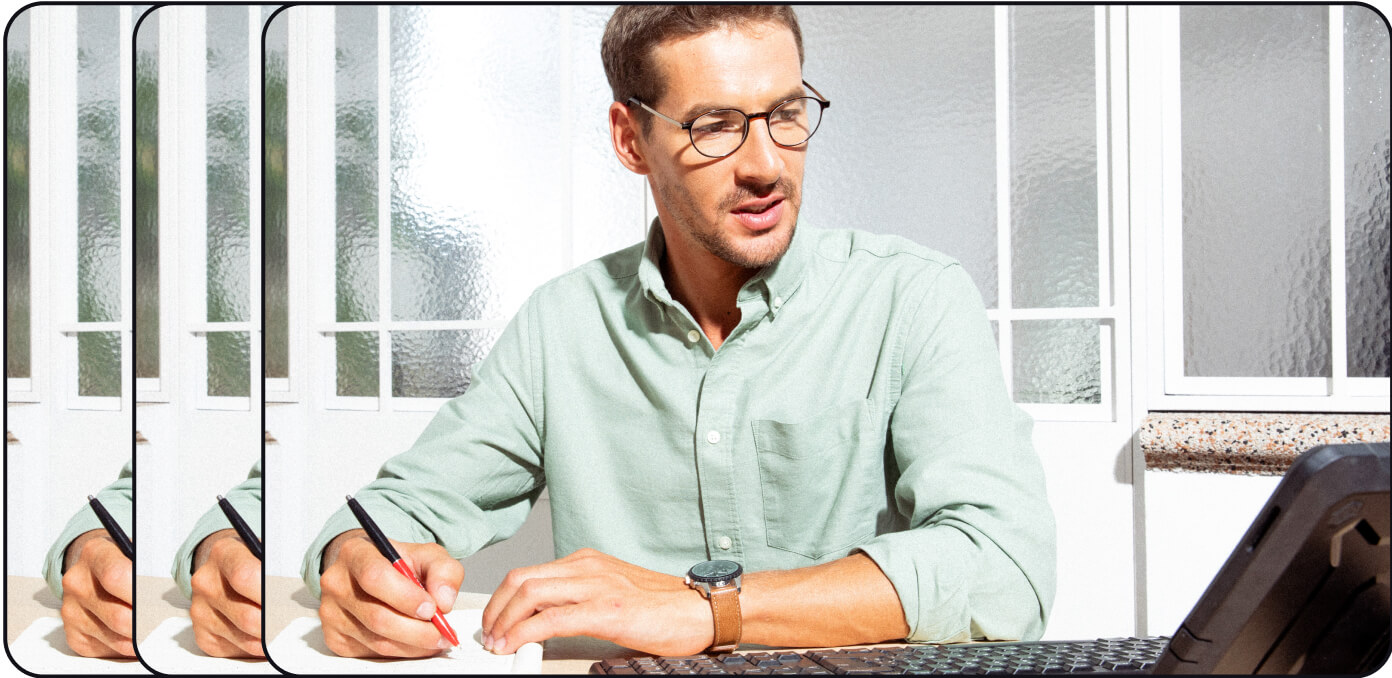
1306 590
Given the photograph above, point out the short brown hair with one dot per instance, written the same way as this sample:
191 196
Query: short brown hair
634 30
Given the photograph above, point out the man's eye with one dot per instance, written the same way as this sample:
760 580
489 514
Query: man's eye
714 128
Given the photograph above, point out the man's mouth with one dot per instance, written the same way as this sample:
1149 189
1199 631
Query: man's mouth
758 208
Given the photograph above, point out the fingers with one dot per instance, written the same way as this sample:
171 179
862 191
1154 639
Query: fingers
369 609
219 608
91 610
378 631
218 636
88 636
379 580
111 568
240 569
535 596
575 564
440 572
552 622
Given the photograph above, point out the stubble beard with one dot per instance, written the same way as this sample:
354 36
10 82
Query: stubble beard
765 250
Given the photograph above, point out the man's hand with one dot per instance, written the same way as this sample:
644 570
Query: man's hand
370 610
593 594
97 597
226 609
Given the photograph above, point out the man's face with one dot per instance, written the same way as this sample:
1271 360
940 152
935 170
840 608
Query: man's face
742 208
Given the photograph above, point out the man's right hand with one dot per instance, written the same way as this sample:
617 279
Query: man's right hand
370 610
97 597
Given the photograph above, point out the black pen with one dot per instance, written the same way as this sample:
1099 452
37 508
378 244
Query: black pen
243 530
117 534
385 548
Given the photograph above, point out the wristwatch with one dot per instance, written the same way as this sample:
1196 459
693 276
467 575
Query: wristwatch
719 582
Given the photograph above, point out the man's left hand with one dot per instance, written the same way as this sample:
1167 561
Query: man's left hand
593 594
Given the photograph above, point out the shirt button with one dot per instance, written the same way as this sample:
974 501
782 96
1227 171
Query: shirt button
713 437
725 543
777 302
693 336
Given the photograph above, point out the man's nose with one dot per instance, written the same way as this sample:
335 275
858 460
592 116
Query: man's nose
759 160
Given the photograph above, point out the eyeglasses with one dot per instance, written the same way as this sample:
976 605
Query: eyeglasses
718 133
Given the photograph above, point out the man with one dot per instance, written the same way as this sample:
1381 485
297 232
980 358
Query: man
824 408
87 571
221 577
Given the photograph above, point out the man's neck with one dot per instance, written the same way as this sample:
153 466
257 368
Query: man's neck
707 286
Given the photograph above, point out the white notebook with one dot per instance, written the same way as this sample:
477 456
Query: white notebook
300 648
170 648
43 648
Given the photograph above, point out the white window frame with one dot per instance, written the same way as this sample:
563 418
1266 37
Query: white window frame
34 388
187 47
1112 272
288 389
53 128
1159 80
158 389
312 66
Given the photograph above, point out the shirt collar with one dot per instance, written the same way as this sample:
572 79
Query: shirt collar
775 284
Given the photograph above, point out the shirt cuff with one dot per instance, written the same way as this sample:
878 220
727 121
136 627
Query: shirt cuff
930 569
247 505
84 521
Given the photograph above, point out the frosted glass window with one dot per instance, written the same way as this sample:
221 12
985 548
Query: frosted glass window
229 211
147 252
1057 361
1366 183
355 93
357 363
1255 145
17 326
1053 173
934 182
98 198
275 253
437 363
473 193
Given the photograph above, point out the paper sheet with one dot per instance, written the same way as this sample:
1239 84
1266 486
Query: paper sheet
42 648
300 648
170 648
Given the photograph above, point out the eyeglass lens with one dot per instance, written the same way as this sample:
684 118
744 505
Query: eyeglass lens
719 133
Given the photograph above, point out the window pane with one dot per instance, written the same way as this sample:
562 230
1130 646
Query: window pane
1255 144
229 244
477 214
229 364
355 94
17 362
275 250
439 363
98 164
1053 156
147 252
1366 181
357 364
909 146
1057 361
99 364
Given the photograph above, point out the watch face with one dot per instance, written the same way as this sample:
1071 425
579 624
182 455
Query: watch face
715 570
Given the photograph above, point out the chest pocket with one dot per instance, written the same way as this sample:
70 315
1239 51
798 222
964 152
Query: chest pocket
822 479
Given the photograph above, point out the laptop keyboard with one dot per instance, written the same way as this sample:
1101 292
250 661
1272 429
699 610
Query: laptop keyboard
1106 655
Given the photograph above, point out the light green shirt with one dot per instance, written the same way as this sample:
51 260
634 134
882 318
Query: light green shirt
116 499
857 406
245 497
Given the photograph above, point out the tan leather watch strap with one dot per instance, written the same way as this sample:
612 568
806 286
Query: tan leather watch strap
726 609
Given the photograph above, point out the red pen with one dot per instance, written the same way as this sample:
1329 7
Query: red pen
385 548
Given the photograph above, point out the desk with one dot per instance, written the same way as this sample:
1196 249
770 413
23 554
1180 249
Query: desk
27 599
156 599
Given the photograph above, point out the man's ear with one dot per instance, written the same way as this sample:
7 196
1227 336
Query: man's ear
625 131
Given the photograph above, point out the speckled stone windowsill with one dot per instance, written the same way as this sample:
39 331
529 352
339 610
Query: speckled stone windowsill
1248 443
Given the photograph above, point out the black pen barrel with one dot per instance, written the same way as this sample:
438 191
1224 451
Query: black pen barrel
118 535
373 532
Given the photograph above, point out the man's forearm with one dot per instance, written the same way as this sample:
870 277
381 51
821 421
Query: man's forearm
843 602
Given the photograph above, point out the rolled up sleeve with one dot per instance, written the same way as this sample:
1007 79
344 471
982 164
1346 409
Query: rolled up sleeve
978 559
116 499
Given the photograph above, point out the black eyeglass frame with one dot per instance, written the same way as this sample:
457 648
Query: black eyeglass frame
748 118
